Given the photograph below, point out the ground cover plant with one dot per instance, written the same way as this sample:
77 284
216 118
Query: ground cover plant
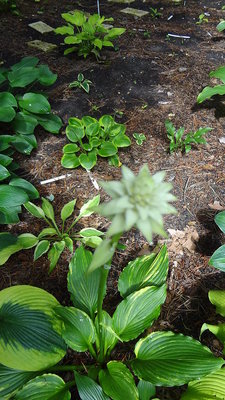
21 111
90 34
91 138
52 240
81 83
30 354
209 91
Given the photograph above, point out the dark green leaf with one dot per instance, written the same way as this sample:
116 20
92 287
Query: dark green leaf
35 103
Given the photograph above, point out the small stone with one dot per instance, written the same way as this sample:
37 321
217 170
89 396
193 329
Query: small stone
222 140
182 69
107 26
41 27
43 46
134 11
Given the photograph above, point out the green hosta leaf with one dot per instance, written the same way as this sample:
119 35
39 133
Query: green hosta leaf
5 142
47 232
55 253
218 258
47 386
98 43
46 76
210 387
4 173
89 207
23 77
92 129
220 221
48 209
24 143
78 329
87 120
217 298
114 32
221 26
146 390
8 246
169 359
89 389
75 133
27 240
26 186
122 141
208 92
93 241
70 148
5 160
217 330
76 18
107 149
118 382
34 210
11 380
11 199
64 30
24 123
150 270
68 210
219 73
25 62
138 311
35 103
88 232
69 243
88 161
106 121
70 161
30 332
82 286
50 122
109 336
7 100
41 248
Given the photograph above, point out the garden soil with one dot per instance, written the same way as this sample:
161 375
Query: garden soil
150 78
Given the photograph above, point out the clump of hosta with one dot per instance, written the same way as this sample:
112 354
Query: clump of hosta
138 201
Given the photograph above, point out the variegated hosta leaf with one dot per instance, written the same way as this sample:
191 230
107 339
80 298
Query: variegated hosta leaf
150 270
11 380
44 387
218 258
217 330
82 285
78 331
89 389
137 312
217 298
118 382
169 359
30 338
109 337
211 387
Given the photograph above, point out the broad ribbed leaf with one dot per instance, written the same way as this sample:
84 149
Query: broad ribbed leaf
146 390
78 329
109 336
138 311
118 382
217 298
220 221
29 331
150 270
45 387
169 359
211 387
218 258
89 389
11 380
83 286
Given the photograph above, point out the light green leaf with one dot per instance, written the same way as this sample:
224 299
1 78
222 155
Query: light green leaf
89 389
11 380
44 387
217 330
48 209
210 387
47 232
34 210
27 240
221 26
88 232
169 359
69 243
220 220
70 161
88 161
70 148
78 329
118 382
41 248
54 254
219 73
93 241
35 103
109 336
68 210
64 30
138 311
76 18
89 207
218 258
217 298
82 286
149 270
30 332
146 390
208 92
107 149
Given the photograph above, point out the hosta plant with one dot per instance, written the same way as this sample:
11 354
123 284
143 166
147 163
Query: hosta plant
218 258
81 83
181 142
90 138
209 91
87 34
54 239
221 26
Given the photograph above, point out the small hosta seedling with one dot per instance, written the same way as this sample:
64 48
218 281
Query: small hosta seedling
201 19
139 137
181 142
81 83
155 13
